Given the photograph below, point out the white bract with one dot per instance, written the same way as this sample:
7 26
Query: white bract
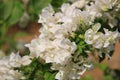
105 4
7 65
14 60
99 40
26 60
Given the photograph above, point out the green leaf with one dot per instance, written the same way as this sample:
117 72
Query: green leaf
49 76
16 14
8 6
5 9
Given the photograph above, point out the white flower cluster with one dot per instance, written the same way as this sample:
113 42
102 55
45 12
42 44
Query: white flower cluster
53 44
98 39
56 51
101 40
8 65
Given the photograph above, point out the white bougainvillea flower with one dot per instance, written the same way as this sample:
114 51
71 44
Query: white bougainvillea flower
105 4
65 7
79 4
93 10
61 51
14 60
110 37
46 15
98 42
26 60
38 46
102 41
7 65
56 51
96 27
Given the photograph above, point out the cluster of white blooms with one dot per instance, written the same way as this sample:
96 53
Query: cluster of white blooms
98 39
53 44
101 40
8 65
56 51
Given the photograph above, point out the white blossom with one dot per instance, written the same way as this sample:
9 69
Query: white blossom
79 4
7 65
14 60
56 51
105 4
98 39
47 15
26 60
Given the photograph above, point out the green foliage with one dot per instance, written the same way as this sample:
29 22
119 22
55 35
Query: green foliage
6 9
10 13
16 14
49 76
38 71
